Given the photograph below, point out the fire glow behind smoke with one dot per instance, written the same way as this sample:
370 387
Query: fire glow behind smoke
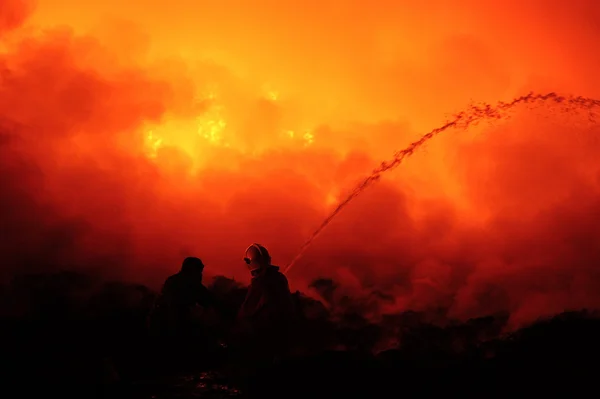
471 117
136 134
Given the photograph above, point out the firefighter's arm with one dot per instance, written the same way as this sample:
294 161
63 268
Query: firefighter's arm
204 297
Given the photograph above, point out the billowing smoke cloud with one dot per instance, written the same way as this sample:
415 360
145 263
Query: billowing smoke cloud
133 139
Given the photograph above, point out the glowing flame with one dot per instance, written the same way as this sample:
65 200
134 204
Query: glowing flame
211 126
154 143
192 134
309 138
196 136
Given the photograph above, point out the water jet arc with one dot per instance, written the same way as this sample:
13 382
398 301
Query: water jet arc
471 115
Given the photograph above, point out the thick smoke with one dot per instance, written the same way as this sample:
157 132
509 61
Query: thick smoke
125 146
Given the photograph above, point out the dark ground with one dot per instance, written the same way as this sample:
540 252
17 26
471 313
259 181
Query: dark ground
66 334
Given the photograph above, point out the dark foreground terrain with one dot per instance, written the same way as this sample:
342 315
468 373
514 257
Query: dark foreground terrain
67 334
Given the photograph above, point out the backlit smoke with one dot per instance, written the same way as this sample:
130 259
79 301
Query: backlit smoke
463 119
133 135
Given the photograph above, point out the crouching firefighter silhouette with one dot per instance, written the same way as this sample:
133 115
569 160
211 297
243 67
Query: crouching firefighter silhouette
178 319
266 316
180 295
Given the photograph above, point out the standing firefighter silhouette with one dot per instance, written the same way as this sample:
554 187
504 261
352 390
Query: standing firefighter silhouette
266 315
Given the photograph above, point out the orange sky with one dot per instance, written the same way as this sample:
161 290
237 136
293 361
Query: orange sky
144 131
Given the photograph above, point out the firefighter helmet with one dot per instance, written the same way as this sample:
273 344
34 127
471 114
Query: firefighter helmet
257 257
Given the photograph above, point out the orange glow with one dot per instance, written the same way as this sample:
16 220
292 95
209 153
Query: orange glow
141 132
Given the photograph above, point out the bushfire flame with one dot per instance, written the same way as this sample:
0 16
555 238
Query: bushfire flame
135 134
